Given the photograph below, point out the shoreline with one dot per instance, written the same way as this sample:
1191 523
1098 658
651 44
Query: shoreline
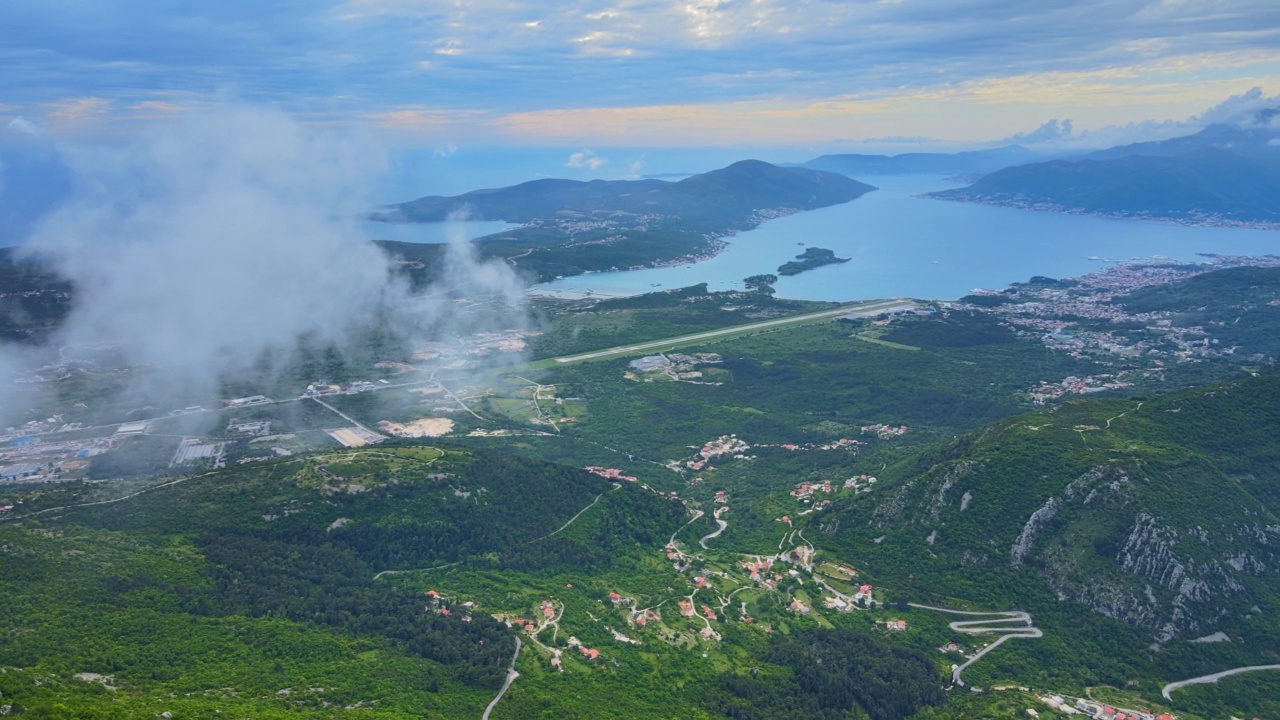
534 292
1206 221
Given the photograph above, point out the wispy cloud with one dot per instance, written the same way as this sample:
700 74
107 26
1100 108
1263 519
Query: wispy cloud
79 109
586 159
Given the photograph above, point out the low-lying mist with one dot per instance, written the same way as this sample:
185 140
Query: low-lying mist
204 251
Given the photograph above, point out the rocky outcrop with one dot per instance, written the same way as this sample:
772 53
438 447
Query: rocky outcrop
1026 538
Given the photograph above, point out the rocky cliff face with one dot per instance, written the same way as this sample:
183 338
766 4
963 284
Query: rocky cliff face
1165 520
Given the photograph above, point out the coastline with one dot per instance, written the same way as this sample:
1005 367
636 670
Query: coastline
1202 221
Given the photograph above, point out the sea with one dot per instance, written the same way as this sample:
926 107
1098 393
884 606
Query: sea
900 244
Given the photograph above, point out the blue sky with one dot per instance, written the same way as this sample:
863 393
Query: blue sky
595 73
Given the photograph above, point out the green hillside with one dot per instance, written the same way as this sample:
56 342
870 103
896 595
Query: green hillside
255 590
1163 513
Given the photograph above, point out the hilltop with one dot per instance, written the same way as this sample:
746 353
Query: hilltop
570 227
1225 174
729 194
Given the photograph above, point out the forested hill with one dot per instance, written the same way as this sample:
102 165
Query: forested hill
1208 184
1163 513
1224 173
255 590
571 227
727 196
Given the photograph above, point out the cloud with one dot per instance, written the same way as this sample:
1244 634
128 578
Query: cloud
212 245
25 126
635 168
586 159
1051 131
78 109
1242 108
1126 60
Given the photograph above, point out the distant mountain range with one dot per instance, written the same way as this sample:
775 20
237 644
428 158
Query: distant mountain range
975 161
1224 174
570 227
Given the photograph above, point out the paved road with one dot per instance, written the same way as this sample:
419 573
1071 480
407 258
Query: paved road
879 305
714 535
348 418
995 623
1215 677
511 677
696 514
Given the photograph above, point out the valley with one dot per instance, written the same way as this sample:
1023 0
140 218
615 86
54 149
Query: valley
806 484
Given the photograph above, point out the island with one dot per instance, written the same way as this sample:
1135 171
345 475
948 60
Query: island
809 259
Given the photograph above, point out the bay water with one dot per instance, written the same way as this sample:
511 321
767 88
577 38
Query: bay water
902 245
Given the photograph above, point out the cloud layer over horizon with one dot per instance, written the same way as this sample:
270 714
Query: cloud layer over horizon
654 71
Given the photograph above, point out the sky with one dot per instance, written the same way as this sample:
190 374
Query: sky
611 73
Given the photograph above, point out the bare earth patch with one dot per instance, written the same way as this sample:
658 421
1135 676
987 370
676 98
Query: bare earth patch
422 427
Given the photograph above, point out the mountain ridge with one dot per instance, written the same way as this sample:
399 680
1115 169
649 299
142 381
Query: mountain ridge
1159 512
1224 174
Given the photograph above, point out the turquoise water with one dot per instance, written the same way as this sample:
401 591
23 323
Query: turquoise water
903 246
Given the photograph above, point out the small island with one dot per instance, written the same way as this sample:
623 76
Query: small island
809 259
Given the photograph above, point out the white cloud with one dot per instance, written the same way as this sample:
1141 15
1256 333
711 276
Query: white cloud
25 126
636 167
1050 132
1240 108
586 159
212 244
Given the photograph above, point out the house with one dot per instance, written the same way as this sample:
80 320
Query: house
686 608
896 625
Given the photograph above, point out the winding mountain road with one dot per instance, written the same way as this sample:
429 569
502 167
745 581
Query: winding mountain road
994 623
722 524
1213 678
511 677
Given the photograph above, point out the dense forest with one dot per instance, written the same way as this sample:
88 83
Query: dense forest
834 675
